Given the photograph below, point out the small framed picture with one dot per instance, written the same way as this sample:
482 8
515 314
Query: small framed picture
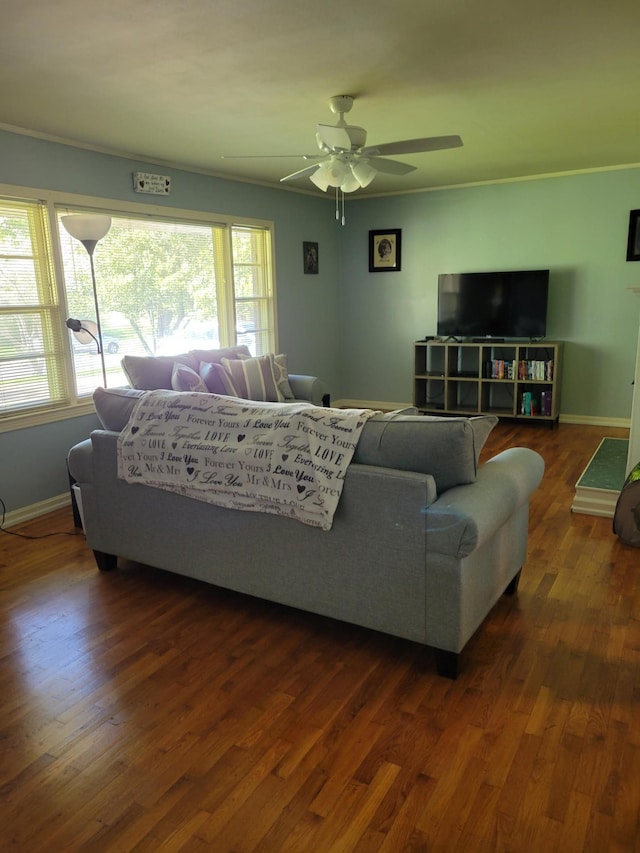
310 258
384 250
633 240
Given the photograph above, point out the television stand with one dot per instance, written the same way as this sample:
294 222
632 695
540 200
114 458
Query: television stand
488 377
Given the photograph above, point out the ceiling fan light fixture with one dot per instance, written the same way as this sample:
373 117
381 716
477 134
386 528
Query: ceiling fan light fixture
337 171
350 183
320 177
363 172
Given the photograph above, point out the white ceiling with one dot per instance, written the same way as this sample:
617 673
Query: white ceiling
533 88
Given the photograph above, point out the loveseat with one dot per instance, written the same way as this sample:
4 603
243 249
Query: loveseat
424 540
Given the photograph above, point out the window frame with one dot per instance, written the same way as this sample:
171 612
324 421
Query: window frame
76 405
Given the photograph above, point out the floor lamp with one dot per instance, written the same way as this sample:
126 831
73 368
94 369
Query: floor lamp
89 228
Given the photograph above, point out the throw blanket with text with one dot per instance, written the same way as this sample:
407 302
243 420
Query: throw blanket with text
288 459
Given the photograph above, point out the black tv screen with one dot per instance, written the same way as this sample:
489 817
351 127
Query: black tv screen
493 304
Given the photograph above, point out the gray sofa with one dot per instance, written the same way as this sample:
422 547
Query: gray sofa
423 543
200 370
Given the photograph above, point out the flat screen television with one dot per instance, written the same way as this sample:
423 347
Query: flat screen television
493 304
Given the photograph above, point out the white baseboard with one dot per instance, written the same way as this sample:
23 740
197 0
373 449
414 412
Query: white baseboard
588 420
25 513
584 420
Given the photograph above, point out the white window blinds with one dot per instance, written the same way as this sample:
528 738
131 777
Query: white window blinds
32 372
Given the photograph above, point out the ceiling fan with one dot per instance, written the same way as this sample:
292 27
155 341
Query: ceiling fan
347 163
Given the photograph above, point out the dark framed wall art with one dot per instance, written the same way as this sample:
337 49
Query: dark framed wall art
310 258
633 240
385 250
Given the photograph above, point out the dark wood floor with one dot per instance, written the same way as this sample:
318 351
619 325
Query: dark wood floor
144 711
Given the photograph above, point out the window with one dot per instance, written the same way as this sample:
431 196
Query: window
164 287
254 307
32 367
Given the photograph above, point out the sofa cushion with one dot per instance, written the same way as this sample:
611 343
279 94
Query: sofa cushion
150 372
215 356
185 378
447 448
281 372
114 406
254 378
280 367
217 379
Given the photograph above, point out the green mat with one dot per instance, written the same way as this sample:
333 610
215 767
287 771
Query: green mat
607 467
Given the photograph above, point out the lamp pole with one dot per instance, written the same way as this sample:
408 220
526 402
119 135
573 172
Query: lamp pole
89 229
98 324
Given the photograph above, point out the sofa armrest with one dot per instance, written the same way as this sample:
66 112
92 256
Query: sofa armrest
464 517
308 388
80 462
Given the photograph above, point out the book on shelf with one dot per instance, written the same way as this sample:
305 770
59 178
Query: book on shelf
536 369
499 368
530 406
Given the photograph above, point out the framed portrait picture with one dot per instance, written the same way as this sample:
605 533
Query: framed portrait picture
384 250
633 240
310 258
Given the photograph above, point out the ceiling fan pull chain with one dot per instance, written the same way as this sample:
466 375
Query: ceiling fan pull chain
337 208
343 216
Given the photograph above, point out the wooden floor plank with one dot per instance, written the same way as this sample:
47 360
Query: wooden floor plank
144 711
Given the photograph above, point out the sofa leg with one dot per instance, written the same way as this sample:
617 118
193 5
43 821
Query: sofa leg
447 663
513 585
106 562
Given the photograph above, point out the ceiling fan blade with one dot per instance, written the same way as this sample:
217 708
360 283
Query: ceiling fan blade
334 137
390 167
302 173
415 146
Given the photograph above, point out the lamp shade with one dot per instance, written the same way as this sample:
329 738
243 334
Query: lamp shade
336 172
350 183
364 172
85 331
320 177
86 226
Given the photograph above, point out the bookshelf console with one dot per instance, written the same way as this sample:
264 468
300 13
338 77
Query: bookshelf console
507 379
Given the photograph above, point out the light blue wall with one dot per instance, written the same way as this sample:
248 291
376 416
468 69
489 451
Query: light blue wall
574 225
355 328
32 461
304 335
